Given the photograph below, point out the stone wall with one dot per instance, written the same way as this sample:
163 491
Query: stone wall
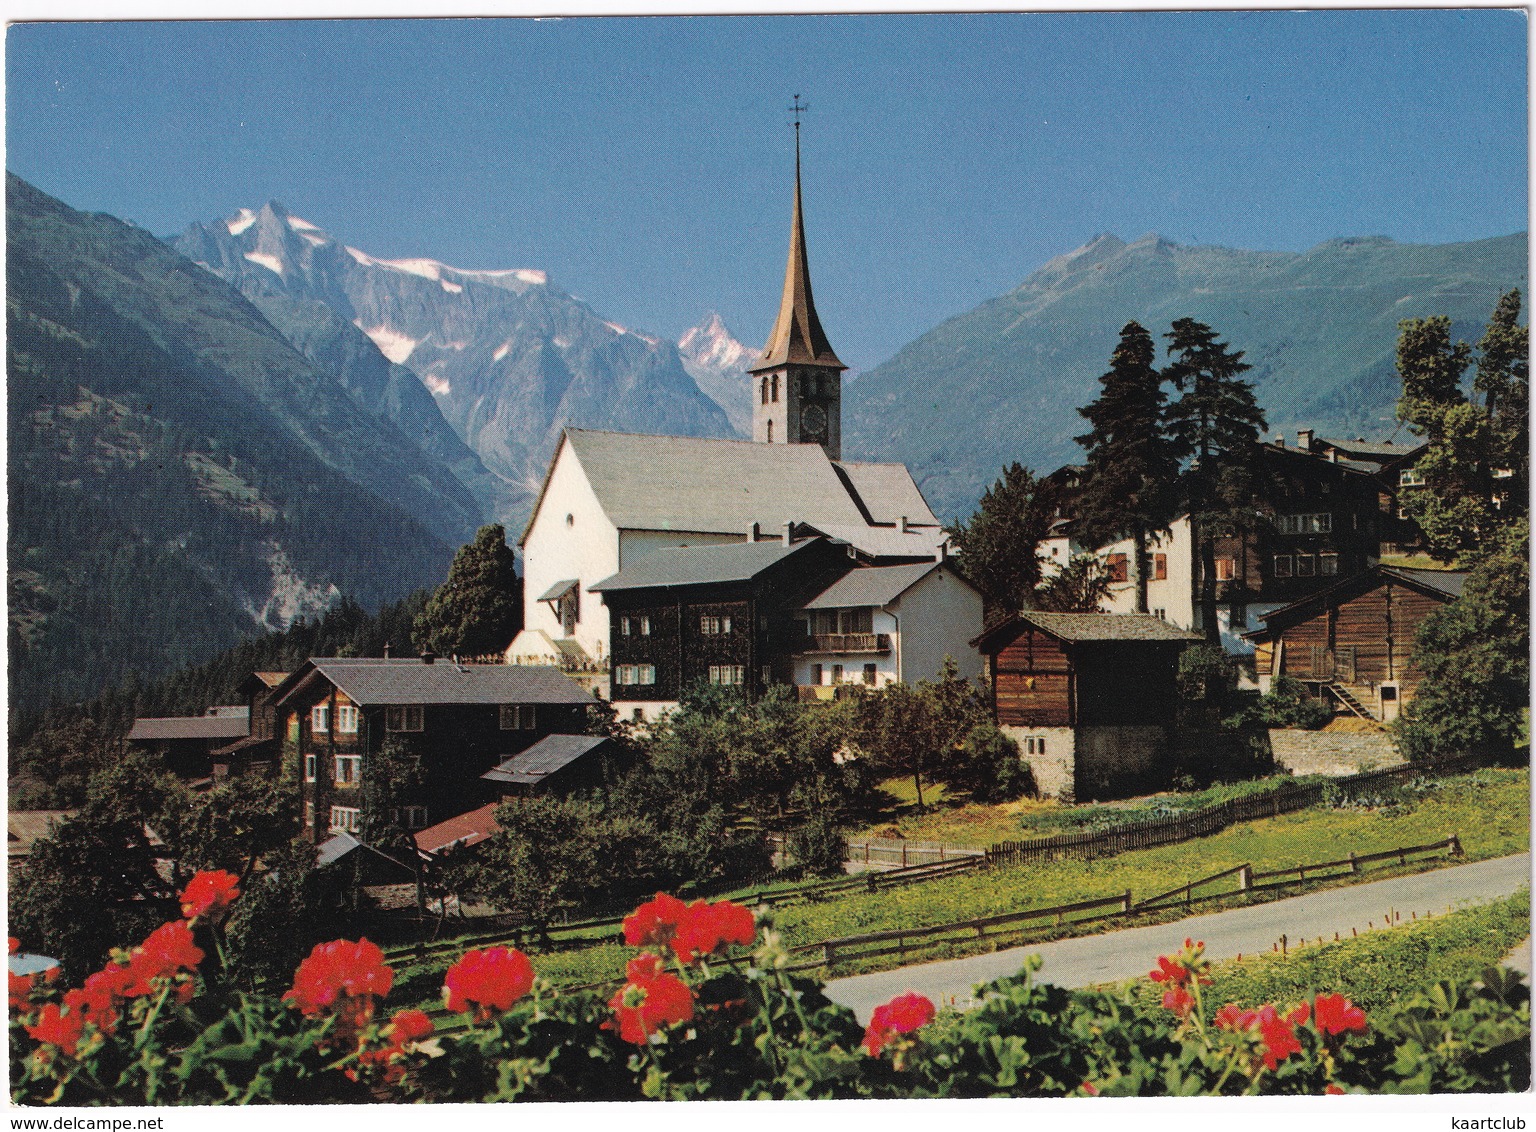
1332 752
1118 762
1055 769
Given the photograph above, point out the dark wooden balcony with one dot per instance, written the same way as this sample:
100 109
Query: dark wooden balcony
872 643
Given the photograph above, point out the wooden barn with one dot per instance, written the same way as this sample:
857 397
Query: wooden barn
1089 697
1352 643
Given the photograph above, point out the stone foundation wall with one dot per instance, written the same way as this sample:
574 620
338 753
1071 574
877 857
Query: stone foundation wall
1332 752
1117 762
1054 771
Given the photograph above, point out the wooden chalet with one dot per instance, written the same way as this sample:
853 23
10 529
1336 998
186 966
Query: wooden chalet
457 720
1089 697
1352 643
187 743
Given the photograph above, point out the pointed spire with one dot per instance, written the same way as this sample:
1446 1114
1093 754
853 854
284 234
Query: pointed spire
797 335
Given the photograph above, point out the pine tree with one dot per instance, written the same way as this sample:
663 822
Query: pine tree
1503 377
1132 465
996 548
479 609
1215 424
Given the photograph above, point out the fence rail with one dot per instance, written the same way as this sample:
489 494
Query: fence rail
1209 819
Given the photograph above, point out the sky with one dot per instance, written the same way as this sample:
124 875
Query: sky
646 163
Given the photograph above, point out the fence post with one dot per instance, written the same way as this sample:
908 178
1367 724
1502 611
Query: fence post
1354 865
1245 878
1455 845
828 953
1125 901
903 854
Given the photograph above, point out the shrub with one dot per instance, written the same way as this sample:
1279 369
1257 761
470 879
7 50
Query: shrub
819 845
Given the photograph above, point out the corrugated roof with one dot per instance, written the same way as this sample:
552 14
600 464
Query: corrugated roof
684 483
1107 626
888 492
544 758
465 829
230 726
370 681
871 586
701 565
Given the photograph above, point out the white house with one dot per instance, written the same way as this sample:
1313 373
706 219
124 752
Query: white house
880 624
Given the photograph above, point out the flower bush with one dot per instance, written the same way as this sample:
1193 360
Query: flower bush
712 1009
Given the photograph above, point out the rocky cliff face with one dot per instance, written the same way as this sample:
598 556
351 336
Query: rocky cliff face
507 358
718 362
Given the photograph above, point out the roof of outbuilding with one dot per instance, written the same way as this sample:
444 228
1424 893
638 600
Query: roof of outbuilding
23 827
464 829
550 754
230 723
711 563
560 589
1444 583
871 586
1079 628
373 680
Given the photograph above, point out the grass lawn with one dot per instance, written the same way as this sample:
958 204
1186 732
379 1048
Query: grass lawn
1489 809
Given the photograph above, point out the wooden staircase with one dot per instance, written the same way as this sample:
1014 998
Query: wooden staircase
1347 698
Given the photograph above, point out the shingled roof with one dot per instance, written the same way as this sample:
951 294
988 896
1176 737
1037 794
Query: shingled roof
372 680
871 586
1082 628
550 754
230 722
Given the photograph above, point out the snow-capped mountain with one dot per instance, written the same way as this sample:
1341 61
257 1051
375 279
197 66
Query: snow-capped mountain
508 358
718 362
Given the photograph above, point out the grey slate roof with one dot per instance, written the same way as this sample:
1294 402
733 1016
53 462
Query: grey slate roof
560 589
410 681
700 565
884 542
871 585
1368 448
1446 581
686 483
334 848
544 758
230 723
1107 626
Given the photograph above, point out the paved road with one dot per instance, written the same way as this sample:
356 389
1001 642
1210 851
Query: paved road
1129 952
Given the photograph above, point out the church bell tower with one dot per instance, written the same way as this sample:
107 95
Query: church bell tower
797 392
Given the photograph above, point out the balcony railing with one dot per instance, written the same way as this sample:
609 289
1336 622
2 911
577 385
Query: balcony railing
845 643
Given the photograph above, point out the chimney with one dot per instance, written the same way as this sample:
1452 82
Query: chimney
428 656
754 532
1304 439
789 531
941 552
901 524
1279 440
1333 455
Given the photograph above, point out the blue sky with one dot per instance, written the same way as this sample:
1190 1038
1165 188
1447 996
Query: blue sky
646 163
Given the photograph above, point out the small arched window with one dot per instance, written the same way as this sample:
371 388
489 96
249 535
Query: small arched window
770 432
775 387
765 391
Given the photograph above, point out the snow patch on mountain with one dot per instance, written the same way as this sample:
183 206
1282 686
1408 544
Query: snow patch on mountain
455 345
302 225
501 351
451 288
362 257
290 597
426 268
243 220
391 343
314 239
562 342
270 262
615 327
438 385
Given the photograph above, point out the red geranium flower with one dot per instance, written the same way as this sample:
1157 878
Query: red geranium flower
651 999
163 954
1278 1034
341 977
902 1015
1178 1000
655 922
209 893
488 980
1333 1014
705 927
1182 969
21 991
57 1027
15 943
1333 1091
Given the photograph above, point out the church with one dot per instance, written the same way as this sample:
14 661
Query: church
609 499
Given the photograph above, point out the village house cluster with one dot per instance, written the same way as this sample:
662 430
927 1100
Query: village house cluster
654 562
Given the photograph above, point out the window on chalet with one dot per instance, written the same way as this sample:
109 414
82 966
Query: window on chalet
346 819
1282 565
346 719
1306 566
1308 523
640 674
715 626
727 674
816 674
1160 614
767 674
837 674
518 717
1118 568
1034 744
835 622
1410 477
349 770
638 625
309 815
869 675
309 768
320 718
406 717
1159 567
411 817
1328 564
1225 569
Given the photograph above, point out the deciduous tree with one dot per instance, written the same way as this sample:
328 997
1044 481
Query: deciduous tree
996 548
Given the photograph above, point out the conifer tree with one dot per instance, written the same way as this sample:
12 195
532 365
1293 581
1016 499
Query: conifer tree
996 548
1132 465
479 609
1215 425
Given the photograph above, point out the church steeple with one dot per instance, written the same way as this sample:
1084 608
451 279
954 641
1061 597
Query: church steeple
797 382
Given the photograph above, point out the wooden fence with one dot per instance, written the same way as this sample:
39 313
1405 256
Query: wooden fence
1209 819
